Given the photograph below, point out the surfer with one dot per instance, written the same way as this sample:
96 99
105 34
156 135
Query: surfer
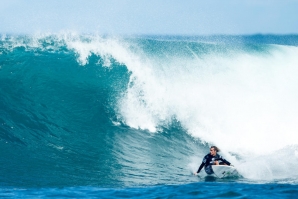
210 159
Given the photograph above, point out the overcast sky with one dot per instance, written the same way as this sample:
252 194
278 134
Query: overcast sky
180 17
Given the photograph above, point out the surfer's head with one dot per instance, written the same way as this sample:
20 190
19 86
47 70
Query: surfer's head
214 150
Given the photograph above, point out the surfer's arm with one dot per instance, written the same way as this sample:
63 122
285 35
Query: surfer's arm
201 166
224 161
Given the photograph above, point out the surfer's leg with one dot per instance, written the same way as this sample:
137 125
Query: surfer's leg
208 169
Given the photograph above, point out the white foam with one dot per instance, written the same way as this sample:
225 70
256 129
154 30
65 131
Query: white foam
279 165
233 101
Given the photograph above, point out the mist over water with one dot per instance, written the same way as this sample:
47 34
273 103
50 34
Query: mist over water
144 110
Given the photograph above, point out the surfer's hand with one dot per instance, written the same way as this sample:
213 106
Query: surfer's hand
195 173
231 165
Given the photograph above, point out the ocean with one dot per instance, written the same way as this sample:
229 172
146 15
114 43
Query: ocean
99 116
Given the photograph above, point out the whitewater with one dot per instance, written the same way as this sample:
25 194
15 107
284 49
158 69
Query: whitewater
134 116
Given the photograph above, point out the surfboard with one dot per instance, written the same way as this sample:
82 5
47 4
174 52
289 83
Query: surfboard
222 171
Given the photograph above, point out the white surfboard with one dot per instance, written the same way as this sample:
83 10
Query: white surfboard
222 171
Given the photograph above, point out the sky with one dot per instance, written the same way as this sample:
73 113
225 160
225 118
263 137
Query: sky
158 17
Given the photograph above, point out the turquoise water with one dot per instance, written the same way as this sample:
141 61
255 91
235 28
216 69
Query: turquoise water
98 116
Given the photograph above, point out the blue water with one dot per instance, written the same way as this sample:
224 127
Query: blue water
89 116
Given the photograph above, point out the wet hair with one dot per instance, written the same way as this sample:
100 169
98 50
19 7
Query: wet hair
215 148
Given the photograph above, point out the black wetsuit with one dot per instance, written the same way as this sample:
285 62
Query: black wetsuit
210 160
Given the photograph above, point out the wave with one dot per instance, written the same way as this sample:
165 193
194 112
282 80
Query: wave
146 107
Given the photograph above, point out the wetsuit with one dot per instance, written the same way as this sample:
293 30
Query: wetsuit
210 160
